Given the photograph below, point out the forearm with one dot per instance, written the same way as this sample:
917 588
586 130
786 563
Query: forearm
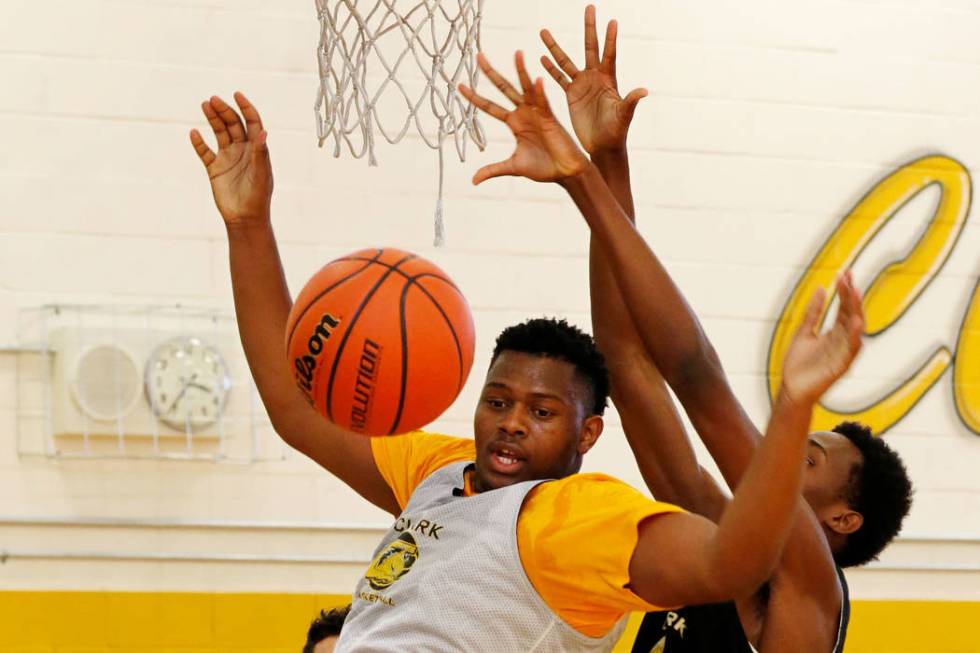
754 528
666 325
262 305
611 322
663 453
650 420
614 166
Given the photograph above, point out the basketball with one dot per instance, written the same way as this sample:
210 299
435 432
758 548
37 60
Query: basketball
380 341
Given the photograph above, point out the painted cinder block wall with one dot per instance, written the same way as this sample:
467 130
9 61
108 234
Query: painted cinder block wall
767 121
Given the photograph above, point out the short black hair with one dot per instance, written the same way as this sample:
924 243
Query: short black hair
558 339
327 624
879 488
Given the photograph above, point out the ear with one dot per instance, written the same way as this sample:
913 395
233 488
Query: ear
591 430
844 521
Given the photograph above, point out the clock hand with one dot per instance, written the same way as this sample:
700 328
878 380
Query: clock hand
180 395
201 387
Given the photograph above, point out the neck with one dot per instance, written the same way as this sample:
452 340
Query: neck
835 540
472 482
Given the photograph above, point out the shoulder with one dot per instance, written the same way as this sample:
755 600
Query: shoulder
576 537
589 501
406 460
587 488
422 446
798 611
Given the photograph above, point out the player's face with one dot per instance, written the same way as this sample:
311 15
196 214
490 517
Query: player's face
830 458
532 421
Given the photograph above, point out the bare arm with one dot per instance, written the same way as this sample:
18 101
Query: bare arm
653 427
806 565
809 596
241 180
709 563
733 558
777 464
664 328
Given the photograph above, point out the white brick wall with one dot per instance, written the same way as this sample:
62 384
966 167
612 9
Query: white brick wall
767 121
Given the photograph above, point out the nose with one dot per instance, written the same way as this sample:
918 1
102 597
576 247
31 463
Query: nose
512 422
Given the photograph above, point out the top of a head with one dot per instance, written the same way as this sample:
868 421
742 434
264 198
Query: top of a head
879 489
560 340
326 624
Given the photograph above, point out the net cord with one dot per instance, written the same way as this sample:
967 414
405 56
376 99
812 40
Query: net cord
346 108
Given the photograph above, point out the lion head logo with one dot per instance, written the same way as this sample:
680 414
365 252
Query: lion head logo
394 561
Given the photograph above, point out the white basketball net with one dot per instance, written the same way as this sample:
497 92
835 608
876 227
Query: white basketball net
386 65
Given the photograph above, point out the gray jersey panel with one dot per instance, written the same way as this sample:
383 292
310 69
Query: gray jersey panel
448 577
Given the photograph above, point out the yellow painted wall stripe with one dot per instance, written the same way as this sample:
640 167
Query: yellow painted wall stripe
112 622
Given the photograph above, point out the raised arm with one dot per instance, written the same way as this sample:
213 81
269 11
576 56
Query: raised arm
806 567
241 181
669 333
706 562
601 118
732 560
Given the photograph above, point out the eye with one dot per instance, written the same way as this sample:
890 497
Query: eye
494 402
542 413
810 461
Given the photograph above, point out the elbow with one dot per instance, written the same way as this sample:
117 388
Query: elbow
285 422
695 370
285 432
613 346
742 574
623 360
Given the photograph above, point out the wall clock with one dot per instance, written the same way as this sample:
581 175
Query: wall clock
187 383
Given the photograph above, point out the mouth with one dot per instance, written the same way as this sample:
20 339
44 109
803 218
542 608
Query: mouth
505 459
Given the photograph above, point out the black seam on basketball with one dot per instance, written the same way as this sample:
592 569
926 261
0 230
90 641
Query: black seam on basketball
452 330
404 336
440 278
403 273
350 328
378 254
313 301
436 276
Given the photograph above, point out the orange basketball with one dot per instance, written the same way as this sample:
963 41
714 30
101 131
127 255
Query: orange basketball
380 341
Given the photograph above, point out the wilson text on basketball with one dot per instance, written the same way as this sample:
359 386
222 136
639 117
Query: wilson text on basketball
306 364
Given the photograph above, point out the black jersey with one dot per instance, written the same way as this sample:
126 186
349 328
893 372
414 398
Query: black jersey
713 628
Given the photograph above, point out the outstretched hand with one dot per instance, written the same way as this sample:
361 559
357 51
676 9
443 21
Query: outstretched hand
545 151
816 360
601 117
240 173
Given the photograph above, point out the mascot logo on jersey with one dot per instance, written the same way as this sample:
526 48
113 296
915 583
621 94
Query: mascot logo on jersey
393 562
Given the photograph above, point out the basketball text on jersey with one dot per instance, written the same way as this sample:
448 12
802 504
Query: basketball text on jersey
674 622
423 526
314 347
712 628
367 372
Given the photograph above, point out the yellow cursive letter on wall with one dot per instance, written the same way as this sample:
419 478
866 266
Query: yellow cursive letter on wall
894 289
966 375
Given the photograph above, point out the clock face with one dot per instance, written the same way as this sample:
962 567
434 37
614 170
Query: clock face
187 383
